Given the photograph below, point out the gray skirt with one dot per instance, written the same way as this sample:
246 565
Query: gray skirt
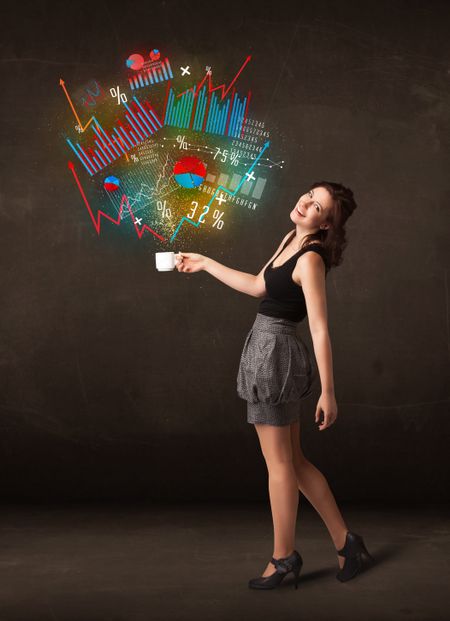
275 371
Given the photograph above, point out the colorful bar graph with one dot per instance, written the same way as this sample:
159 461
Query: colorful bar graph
143 123
225 117
151 75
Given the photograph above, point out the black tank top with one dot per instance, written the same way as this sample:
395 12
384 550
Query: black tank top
285 298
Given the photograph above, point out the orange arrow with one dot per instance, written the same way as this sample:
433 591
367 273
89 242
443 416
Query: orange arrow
62 83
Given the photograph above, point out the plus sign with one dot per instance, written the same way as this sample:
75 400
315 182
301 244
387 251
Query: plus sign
250 176
220 199
138 221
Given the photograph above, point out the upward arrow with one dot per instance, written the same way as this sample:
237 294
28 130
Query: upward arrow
63 86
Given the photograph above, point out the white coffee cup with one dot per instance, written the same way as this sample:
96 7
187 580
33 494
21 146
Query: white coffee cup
166 261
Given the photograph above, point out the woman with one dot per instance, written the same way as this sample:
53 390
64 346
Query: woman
275 371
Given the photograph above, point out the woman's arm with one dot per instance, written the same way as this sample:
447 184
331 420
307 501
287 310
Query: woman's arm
310 274
241 281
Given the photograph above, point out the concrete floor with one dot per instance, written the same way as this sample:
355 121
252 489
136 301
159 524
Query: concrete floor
149 563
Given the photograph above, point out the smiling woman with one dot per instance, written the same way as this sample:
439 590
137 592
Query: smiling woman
275 369
324 209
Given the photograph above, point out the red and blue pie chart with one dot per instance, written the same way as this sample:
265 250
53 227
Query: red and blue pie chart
111 184
135 61
189 172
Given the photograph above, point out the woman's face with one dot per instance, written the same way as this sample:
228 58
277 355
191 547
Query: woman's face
312 209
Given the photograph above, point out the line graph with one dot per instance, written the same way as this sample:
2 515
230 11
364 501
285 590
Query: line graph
195 89
220 199
101 214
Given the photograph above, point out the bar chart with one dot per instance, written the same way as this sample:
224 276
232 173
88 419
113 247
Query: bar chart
142 123
159 72
207 112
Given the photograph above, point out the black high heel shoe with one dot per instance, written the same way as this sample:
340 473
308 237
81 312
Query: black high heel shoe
283 566
353 550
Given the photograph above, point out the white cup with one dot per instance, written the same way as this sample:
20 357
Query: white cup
166 261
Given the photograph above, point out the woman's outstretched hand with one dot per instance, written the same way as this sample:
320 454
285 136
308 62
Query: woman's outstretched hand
190 262
328 407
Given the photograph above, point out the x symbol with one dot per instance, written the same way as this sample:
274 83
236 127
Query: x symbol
250 176
221 199
185 70
138 221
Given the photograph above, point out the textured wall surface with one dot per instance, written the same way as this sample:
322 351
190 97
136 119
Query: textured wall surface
117 381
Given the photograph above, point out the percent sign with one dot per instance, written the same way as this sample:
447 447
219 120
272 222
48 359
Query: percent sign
121 97
161 206
217 215
182 141
234 158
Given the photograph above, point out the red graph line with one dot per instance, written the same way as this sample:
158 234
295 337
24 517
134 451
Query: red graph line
124 201
196 89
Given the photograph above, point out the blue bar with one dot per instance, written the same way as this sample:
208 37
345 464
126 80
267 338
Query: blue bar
128 140
141 81
108 139
136 119
186 101
86 157
169 67
202 113
99 155
145 123
111 154
146 80
177 107
119 144
103 151
98 165
169 109
156 118
173 109
152 123
214 116
241 116
78 156
134 138
238 119
131 83
210 109
130 120
225 116
164 71
155 76
211 113
233 113
197 110
150 76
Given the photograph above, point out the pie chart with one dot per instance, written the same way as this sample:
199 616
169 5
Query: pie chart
135 61
111 184
189 172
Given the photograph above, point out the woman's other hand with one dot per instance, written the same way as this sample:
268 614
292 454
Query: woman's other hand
328 407
190 262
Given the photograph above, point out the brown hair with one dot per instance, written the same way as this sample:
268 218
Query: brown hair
333 239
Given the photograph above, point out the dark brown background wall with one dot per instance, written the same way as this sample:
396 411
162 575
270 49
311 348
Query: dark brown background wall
118 381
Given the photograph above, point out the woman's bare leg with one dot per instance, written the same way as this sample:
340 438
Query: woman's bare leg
315 488
276 446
